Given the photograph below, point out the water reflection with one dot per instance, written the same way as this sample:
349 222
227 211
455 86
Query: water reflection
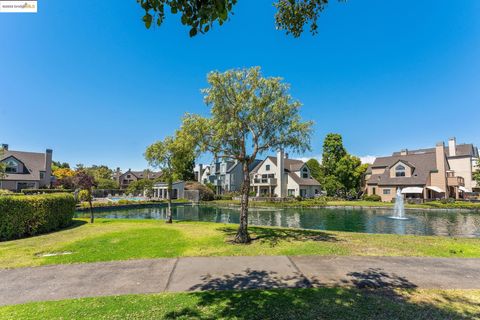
444 223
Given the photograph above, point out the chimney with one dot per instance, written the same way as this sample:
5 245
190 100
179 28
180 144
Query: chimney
200 171
452 147
404 152
281 182
48 167
441 166
5 146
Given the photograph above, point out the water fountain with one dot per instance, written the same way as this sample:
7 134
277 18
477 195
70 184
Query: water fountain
399 209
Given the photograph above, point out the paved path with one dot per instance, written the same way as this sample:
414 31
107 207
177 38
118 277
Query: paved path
225 273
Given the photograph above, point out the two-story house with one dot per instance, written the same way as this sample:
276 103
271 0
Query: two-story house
26 170
432 173
225 175
283 177
124 179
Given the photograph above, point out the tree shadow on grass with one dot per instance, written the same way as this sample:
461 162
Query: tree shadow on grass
370 294
272 236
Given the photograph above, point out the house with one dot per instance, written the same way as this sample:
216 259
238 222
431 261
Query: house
283 177
225 175
160 190
26 170
124 179
432 173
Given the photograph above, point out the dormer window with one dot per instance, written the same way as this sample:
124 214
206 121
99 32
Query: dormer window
305 173
267 167
11 166
400 171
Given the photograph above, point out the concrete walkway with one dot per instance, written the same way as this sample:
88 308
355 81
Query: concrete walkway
233 273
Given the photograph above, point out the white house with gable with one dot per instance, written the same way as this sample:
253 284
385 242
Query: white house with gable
283 177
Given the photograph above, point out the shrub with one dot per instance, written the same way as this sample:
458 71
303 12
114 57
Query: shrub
41 191
205 193
84 195
4 192
23 216
372 197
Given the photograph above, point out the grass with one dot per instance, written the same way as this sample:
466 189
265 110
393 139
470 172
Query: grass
116 239
322 303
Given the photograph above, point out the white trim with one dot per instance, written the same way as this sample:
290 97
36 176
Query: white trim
436 189
412 190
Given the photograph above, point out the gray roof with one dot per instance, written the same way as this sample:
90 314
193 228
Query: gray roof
291 165
303 181
462 150
33 162
422 165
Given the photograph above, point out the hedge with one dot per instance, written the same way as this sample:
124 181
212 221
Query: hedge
41 191
24 216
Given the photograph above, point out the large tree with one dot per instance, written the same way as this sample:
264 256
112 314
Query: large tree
315 168
333 151
200 16
172 156
249 115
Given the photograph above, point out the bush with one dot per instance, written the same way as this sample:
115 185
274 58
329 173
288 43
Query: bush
23 216
4 192
84 195
372 197
205 193
42 191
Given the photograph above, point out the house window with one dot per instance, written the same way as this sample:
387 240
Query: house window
291 192
400 171
305 175
42 175
386 191
374 191
11 166
267 167
128 176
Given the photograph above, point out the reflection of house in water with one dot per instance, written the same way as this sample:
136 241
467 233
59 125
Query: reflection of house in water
293 220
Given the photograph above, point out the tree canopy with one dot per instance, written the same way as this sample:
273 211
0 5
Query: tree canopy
292 16
340 173
249 115
2 165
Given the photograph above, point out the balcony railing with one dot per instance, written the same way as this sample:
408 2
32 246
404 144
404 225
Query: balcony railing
456 181
265 181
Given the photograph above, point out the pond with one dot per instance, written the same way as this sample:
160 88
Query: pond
420 222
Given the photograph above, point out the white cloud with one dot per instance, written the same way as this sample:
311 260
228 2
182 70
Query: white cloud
305 159
367 159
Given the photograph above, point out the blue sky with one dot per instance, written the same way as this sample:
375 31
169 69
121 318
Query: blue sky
88 80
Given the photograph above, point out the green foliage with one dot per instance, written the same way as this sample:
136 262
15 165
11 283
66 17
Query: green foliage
41 191
341 174
333 151
206 194
140 186
476 173
59 165
3 166
4 192
23 216
103 183
250 115
84 195
200 16
315 169
372 197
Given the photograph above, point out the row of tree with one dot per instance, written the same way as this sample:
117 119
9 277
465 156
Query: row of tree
340 173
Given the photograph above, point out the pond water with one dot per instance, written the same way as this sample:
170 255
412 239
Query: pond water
418 222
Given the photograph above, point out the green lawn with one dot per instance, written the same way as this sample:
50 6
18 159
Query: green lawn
324 303
114 239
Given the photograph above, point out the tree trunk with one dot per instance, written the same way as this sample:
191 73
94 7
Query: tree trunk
242 233
92 218
169 208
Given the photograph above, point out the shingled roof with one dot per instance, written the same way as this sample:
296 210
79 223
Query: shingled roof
34 162
422 163
462 150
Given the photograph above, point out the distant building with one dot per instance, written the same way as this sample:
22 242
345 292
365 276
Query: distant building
432 173
124 179
283 177
26 170
160 190
225 175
